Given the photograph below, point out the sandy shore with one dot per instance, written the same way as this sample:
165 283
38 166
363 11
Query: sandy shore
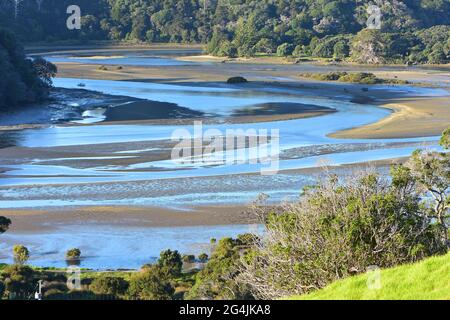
426 116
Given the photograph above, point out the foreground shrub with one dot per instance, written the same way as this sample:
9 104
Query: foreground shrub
217 280
114 286
152 283
2 289
18 281
340 228
171 261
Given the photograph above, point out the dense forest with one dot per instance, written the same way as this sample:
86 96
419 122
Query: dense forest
22 80
412 31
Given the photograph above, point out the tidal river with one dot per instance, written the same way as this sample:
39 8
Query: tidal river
91 163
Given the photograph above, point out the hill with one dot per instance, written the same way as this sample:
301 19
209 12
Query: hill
425 280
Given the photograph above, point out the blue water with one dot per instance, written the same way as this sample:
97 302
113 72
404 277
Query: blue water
36 184
114 247
128 60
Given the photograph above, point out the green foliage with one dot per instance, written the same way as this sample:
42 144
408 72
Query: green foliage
324 28
445 139
217 280
203 257
19 281
236 80
425 280
73 254
171 260
23 80
106 285
152 283
4 224
285 50
21 254
341 227
355 77
2 289
188 258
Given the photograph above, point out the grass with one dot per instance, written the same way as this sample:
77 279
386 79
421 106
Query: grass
425 280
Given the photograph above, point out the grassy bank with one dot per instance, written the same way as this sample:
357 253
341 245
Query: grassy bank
426 280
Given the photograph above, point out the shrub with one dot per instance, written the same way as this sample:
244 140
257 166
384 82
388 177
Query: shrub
339 228
188 258
21 254
109 286
203 257
153 283
73 254
2 289
217 279
236 80
285 50
360 77
265 46
171 260
4 224
18 281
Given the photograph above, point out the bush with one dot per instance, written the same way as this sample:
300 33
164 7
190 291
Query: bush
73 254
360 77
171 260
203 257
285 50
18 281
2 289
265 46
106 285
152 283
236 80
340 228
217 280
188 258
4 224
21 254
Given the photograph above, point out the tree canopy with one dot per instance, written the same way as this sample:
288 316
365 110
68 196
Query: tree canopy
411 30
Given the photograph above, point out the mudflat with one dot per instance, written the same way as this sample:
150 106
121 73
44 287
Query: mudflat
413 116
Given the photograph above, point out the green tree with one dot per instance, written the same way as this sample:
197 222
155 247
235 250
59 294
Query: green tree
217 280
203 257
106 285
73 254
4 224
152 283
172 261
20 254
341 227
285 50
19 281
445 139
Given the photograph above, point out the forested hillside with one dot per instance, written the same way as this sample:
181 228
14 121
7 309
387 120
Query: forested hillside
414 31
22 80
